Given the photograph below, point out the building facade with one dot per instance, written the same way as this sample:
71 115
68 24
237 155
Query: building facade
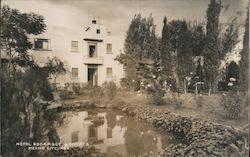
89 54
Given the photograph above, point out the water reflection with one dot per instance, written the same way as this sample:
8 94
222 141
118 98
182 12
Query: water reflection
112 133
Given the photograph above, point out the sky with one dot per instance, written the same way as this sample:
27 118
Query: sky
116 15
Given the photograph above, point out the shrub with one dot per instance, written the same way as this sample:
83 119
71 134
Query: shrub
110 89
125 83
76 89
66 94
154 89
96 92
232 104
176 100
156 99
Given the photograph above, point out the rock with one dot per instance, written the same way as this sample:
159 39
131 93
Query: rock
101 106
124 109
109 105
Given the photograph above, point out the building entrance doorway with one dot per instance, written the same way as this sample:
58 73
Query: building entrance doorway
92 75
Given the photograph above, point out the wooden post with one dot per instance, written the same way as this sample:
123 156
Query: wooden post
185 87
196 91
209 90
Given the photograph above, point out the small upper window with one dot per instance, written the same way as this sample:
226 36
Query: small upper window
98 31
74 72
109 48
74 46
42 44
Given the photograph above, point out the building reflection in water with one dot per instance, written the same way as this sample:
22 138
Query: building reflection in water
111 133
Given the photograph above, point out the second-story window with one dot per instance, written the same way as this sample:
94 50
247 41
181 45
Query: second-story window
74 72
42 44
109 48
92 50
74 46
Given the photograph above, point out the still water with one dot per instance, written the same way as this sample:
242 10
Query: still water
112 132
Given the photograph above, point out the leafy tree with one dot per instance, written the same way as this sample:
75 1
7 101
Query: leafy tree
221 39
15 29
141 42
244 62
211 54
197 39
129 64
180 38
56 67
229 38
24 84
153 80
165 49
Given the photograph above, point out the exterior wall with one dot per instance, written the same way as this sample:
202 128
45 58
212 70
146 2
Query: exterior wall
108 59
60 46
117 68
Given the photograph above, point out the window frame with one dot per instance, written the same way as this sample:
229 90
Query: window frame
92 133
74 48
72 74
109 51
109 75
42 41
92 44
109 133
75 137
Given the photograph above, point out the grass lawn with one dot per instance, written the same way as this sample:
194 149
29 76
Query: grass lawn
211 108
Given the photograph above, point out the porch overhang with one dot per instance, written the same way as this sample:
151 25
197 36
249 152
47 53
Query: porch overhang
94 40
93 60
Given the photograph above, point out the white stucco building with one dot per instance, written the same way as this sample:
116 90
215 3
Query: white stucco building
88 54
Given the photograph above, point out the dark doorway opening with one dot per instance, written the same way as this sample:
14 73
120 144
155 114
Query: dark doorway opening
92 75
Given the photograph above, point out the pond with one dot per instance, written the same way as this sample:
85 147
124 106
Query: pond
112 132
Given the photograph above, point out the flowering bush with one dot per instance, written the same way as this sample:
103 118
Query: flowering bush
153 80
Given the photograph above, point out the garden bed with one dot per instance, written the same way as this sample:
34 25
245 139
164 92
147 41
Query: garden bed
199 137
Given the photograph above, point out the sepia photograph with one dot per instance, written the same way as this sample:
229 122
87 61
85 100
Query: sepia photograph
124 78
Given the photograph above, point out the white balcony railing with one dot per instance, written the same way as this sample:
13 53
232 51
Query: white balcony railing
93 60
